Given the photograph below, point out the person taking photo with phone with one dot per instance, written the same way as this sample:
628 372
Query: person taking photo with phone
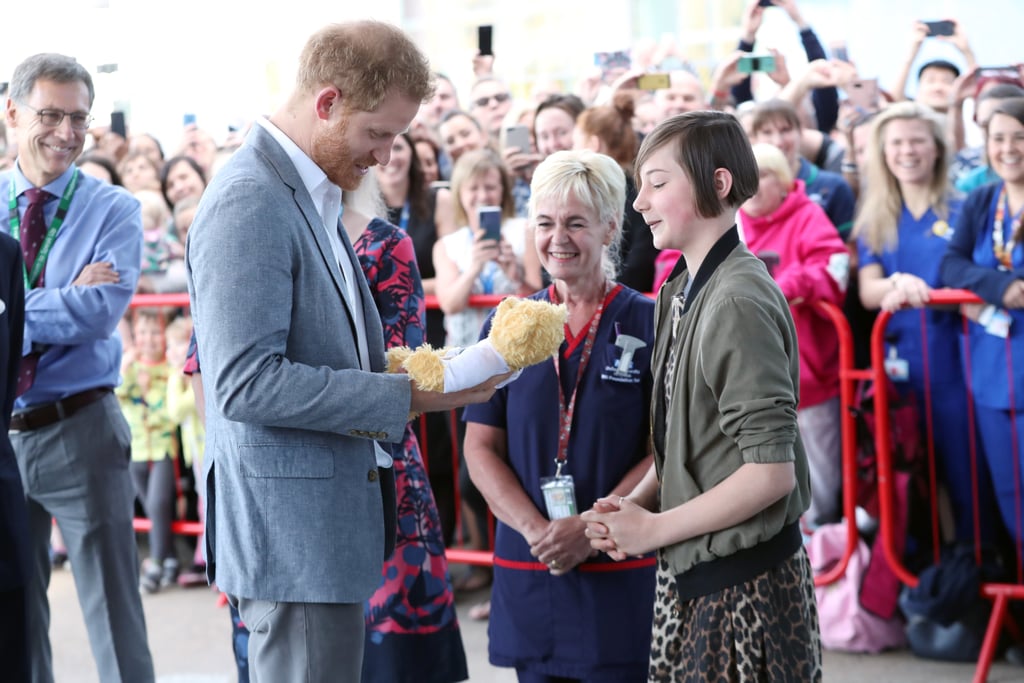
825 100
474 261
935 77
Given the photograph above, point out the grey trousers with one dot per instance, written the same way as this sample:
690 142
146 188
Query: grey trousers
155 486
76 471
822 436
303 642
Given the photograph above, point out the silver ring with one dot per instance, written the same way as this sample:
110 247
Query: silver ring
553 564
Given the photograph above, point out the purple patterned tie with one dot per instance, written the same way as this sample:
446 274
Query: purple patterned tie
33 232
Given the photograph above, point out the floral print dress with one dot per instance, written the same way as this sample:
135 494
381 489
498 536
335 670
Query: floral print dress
412 632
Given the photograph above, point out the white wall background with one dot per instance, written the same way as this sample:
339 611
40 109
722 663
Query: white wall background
226 60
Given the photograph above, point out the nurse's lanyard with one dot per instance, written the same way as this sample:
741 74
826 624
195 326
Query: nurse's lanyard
559 490
1004 250
403 221
51 233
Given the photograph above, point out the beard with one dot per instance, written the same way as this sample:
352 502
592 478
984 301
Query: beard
330 150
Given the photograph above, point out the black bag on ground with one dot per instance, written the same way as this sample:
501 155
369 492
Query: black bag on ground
946 615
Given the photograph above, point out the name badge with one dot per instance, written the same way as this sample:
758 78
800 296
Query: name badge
559 496
996 321
896 368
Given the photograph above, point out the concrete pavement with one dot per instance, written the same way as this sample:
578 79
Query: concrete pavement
189 636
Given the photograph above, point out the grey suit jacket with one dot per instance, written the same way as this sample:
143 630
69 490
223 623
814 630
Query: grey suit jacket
293 498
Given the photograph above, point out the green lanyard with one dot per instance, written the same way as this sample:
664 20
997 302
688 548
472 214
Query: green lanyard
51 232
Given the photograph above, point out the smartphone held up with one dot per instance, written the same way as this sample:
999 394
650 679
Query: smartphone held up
940 28
485 39
118 125
490 222
863 94
654 81
751 63
518 137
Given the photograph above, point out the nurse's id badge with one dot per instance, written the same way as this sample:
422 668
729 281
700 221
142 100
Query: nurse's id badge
559 496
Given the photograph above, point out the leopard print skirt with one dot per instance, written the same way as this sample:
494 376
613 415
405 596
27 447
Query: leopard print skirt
763 630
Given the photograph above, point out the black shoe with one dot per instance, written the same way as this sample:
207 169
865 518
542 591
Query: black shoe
58 558
149 576
169 574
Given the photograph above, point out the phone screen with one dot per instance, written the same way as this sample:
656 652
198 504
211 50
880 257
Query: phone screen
484 37
490 222
940 28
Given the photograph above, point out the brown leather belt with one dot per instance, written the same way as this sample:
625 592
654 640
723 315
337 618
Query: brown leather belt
45 415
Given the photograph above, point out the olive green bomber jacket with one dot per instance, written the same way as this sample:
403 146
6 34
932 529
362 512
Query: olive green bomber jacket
734 389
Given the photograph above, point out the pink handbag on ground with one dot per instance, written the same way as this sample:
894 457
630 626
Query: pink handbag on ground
845 624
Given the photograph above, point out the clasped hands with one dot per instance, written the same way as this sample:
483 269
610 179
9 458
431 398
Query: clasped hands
560 545
619 527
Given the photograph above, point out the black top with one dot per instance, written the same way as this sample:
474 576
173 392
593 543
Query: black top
423 232
638 250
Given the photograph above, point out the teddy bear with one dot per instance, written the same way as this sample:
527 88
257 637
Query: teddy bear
524 332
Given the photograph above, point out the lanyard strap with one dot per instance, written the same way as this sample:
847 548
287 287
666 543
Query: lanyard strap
403 221
565 411
487 277
31 278
1004 249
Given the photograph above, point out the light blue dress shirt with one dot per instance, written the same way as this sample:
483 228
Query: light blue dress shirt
77 325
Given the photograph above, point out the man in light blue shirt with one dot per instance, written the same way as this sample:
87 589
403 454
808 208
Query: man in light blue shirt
71 441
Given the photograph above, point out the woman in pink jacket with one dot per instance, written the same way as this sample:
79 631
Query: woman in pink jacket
809 261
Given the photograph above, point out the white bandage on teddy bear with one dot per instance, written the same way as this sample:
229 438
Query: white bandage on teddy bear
523 332
468 367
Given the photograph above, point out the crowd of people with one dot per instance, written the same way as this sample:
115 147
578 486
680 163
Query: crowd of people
696 437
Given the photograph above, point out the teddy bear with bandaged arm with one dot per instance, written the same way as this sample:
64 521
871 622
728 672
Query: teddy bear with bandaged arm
524 332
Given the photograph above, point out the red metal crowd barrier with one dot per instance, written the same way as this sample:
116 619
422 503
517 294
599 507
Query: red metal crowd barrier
455 554
1000 593
849 376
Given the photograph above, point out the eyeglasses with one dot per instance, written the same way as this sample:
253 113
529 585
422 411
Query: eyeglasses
51 118
499 98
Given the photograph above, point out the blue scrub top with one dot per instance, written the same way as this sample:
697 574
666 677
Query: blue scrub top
593 623
994 358
921 245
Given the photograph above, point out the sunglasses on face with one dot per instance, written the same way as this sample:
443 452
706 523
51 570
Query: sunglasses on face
499 99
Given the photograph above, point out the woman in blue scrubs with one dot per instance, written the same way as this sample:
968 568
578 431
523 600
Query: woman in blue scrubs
987 258
565 433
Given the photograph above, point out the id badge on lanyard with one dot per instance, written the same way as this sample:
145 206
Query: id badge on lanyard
559 495
560 491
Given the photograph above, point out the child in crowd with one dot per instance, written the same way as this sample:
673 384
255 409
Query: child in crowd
143 395
184 212
179 221
181 406
156 250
